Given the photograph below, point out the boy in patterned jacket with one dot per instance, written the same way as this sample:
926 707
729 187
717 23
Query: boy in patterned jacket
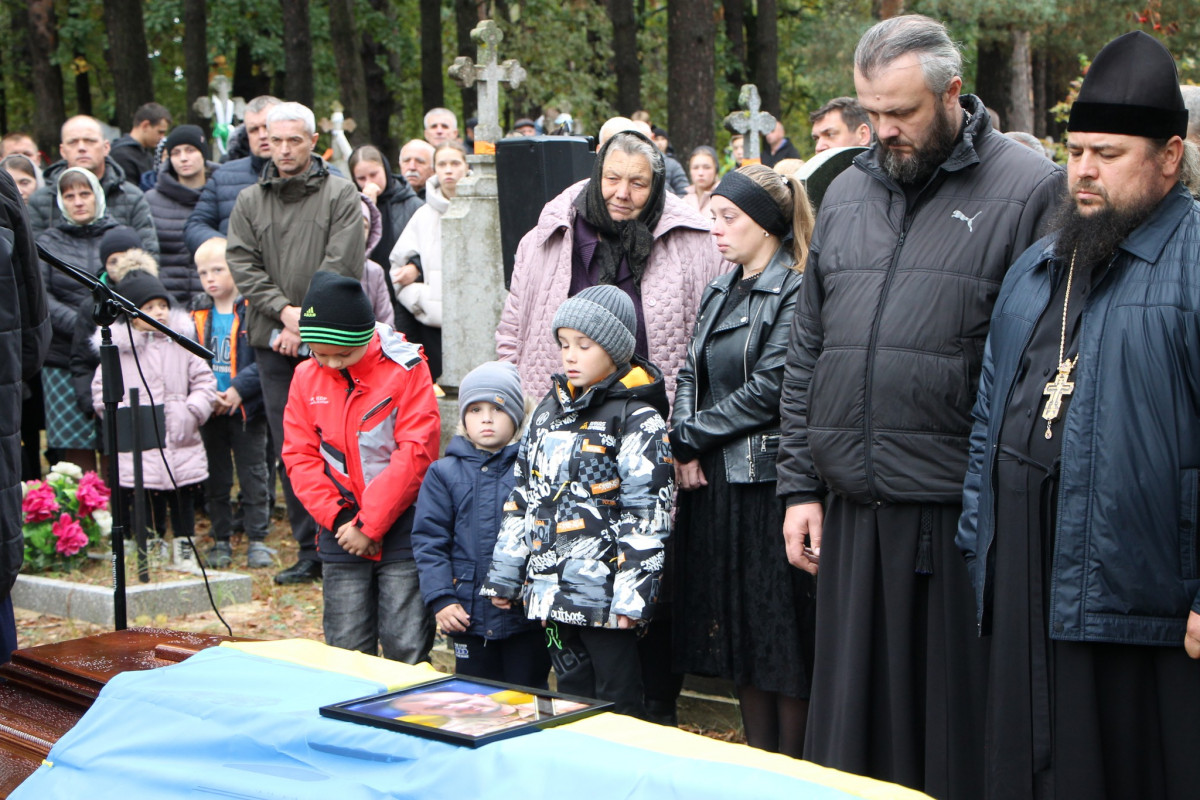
584 531
361 428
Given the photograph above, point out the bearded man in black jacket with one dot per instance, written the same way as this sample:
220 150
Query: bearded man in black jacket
910 247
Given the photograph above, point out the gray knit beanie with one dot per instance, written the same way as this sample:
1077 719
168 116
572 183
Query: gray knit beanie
495 382
604 314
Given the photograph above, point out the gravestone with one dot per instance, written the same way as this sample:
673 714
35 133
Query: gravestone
337 126
473 290
489 74
223 110
751 122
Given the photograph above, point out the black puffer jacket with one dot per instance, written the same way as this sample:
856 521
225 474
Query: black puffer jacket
24 335
738 359
79 246
171 204
887 340
397 204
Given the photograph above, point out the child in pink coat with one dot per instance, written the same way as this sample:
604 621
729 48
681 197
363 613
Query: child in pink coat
175 379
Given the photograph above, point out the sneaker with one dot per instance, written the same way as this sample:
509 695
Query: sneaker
305 571
219 556
159 550
258 555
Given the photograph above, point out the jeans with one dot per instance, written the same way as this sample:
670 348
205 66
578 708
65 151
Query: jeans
246 441
275 372
368 604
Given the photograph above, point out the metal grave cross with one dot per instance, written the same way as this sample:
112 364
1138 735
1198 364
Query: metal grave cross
750 122
489 75
223 110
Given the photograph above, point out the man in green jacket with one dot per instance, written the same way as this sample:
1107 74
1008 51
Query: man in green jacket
296 220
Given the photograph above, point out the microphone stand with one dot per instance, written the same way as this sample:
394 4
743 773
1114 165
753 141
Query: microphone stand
108 307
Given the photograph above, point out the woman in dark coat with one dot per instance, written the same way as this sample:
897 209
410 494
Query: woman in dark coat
76 240
396 200
742 612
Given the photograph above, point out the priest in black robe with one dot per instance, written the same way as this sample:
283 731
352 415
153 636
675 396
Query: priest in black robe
1083 490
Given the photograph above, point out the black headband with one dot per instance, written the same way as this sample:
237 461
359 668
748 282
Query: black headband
746 194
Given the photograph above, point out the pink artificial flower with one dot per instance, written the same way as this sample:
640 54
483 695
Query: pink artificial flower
70 535
92 494
39 504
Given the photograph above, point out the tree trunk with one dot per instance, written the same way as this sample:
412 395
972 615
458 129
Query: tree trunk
1005 77
48 112
195 56
248 83
347 53
466 17
433 93
993 75
766 60
625 56
297 52
381 103
83 90
886 9
735 32
691 54
126 54
1020 110
1040 106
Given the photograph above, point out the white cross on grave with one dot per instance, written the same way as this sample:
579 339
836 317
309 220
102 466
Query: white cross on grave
223 110
489 75
751 122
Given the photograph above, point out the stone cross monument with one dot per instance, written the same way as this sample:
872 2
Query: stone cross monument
223 109
489 74
751 122
473 290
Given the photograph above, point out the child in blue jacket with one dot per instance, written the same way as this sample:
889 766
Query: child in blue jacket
459 512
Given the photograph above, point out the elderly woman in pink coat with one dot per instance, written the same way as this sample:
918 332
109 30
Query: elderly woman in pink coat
618 227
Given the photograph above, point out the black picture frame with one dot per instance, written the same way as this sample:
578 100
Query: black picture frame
478 717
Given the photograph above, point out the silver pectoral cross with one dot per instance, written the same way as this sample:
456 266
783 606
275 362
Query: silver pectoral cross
1055 391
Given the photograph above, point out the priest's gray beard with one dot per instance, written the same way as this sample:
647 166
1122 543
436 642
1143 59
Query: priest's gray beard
1094 238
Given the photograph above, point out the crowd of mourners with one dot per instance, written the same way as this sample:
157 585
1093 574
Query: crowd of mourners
701 377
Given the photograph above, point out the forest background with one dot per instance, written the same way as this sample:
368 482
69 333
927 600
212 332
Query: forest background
682 60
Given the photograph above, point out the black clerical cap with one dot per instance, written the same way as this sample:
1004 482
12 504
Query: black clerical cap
1131 88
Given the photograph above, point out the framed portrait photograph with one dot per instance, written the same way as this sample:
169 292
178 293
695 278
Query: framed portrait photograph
465 711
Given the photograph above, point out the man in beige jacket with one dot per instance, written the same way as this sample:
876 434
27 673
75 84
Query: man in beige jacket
296 220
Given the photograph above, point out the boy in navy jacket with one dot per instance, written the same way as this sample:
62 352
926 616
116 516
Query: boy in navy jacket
459 512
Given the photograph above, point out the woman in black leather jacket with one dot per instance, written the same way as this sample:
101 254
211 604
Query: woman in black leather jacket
743 613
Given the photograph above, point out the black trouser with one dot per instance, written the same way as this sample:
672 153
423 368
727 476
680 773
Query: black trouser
246 441
598 662
521 659
275 372
181 506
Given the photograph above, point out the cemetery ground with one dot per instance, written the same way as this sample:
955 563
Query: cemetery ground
294 611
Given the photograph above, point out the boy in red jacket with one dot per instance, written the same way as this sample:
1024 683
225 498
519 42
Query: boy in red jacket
361 428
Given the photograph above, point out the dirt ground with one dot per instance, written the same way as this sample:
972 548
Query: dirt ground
275 612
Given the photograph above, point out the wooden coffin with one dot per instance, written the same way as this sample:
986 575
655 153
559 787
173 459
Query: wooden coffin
46 689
